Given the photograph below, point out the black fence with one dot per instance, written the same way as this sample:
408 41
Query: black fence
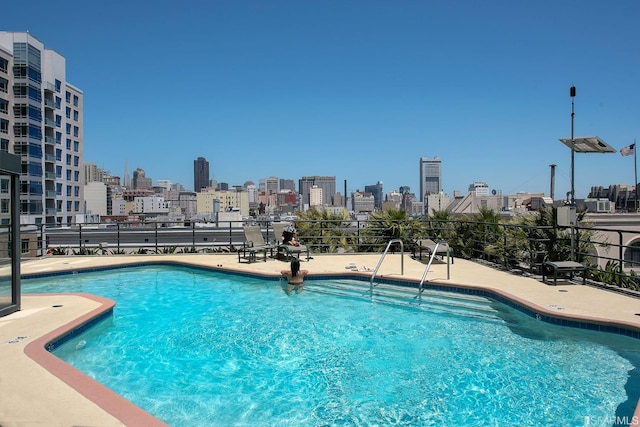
611 255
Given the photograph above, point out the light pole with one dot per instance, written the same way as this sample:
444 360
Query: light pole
572 202
572 94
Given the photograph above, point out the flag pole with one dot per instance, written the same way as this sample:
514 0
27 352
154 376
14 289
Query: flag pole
635 168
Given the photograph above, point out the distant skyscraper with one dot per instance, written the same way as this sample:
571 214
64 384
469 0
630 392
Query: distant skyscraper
430 176
376 191
140 181
327 183
200 174
127 178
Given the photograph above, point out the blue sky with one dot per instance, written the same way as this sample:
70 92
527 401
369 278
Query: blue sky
359 90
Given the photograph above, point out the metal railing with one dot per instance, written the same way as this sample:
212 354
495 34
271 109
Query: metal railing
610 254
375 271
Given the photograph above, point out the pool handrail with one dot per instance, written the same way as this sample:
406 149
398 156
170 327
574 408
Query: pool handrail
426 270
392 241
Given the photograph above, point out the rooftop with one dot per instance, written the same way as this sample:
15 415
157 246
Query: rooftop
43 388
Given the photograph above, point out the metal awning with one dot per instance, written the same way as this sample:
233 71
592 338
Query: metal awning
588 144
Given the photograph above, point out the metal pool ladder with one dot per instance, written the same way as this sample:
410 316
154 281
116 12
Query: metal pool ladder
426 270
392 241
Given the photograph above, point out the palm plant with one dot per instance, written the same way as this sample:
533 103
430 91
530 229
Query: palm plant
326 230
388 225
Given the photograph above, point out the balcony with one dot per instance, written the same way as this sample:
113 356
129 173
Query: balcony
50 175
49 87
50 158
48 103
49 123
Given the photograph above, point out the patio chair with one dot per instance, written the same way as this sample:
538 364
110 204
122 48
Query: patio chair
254 245
429 246
289 251
555 269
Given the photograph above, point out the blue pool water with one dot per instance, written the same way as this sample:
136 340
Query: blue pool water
197 348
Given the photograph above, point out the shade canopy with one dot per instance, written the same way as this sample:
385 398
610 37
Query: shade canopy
588 144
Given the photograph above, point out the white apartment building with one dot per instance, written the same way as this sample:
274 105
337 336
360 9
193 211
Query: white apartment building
41 120
150 205
436 202
6 126
95 198
315 196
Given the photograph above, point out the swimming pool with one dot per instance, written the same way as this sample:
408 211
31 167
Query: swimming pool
195 347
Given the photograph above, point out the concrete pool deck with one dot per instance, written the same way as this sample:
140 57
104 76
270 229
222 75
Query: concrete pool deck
36 388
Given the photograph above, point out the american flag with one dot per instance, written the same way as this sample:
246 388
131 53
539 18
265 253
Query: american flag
628 150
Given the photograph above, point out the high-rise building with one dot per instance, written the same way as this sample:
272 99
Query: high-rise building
430 176
200 174
376 191
327 183
140 181
41 120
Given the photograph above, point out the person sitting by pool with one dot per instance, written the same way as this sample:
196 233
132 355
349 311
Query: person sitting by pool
290 236
295 276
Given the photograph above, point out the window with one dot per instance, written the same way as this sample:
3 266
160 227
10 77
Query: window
75 115
58 85
68 160
59 174
68 128
76 191
76 206
34 169
58 120
68 112
58 102
68 143
4 206
76 131
76 146
76 176
58 154
68 190
34 94
58 137
58 189
24 245
75 100
4 144
68 97
4 186
35 132
76 160
34 75
68 205
68 174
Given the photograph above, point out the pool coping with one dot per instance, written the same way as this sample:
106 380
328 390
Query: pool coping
130 414
39 350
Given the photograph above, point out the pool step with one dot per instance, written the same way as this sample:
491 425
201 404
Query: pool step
431 300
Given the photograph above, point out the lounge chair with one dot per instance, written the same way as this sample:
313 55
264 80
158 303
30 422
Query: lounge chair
254 245
429 246
289 251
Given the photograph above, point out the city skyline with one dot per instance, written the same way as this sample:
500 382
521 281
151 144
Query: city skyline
271 92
